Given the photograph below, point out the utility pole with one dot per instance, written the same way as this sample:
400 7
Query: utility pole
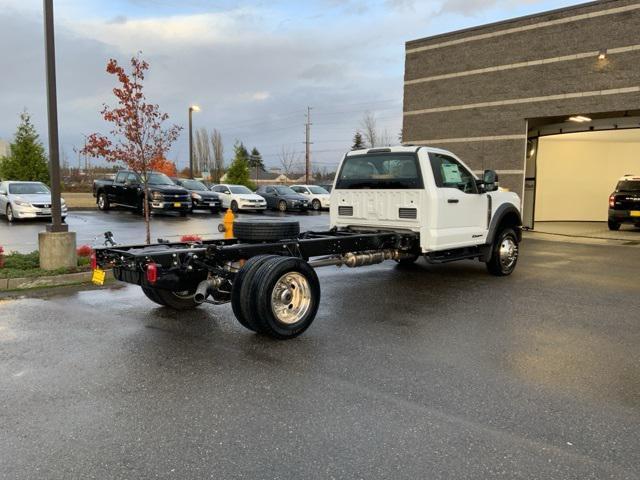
307 143
56 224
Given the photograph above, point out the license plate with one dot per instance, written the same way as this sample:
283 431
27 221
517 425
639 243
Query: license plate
635 213
177 204
98 276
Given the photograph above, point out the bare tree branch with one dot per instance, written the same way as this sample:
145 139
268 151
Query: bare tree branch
218 158
289 159
369 127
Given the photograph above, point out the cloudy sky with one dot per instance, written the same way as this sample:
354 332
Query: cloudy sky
253 66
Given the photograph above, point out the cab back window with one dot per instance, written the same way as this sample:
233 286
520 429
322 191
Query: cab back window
397 171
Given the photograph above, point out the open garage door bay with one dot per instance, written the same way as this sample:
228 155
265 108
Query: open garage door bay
576 172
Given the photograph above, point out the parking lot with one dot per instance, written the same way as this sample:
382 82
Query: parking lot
128 226
419 372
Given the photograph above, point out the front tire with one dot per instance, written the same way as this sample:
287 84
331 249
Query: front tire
613 225
152 294
282 206
103 202
316 205
286 298
234 206
9 213
504 253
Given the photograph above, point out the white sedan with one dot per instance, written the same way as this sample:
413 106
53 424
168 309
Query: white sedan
239 197
20 200
318 196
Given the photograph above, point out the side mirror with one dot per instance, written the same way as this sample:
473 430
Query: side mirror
490 181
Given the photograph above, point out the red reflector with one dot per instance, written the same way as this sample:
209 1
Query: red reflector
152 273
94 261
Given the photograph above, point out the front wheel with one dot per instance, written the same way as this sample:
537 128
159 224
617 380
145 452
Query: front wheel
234 206
103 202
282 206
613 225
9 213
504 253
316 205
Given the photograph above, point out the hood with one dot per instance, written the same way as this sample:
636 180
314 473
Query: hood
297 196
249 196
205 193
168 189
32 198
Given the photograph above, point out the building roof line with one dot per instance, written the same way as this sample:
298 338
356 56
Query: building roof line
509 21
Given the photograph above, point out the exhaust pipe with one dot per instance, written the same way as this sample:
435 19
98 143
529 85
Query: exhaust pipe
360 259
205 288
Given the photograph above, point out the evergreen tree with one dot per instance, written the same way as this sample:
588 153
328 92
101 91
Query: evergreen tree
358 143
255 162
27 160
238 171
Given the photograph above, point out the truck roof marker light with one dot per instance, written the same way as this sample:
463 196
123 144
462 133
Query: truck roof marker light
152 273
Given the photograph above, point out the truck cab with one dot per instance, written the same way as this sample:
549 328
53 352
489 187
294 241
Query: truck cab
425 190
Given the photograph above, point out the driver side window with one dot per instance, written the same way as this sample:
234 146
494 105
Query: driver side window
449 173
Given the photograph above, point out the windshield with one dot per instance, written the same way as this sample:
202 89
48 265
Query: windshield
27 188
317 190
239 189
159 179
382 171
193 185
285 191
628 186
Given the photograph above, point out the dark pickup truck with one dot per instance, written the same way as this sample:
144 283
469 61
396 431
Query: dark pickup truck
127 190
624 203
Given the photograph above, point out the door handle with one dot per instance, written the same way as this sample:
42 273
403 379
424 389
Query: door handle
453 200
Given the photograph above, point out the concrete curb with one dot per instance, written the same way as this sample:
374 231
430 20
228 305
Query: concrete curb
48 281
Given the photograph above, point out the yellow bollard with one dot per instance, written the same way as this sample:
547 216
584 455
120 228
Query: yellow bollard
227 221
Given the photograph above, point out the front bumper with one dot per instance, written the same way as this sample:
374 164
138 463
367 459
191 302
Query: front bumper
297 206
252 206
170 206
624 216
206 203
29 211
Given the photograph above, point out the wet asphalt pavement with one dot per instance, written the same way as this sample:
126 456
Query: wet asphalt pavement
439 372
128 226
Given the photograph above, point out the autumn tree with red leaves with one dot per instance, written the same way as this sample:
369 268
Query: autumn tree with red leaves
138 137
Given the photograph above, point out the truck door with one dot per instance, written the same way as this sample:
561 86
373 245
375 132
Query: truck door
131 190
462 210
116 193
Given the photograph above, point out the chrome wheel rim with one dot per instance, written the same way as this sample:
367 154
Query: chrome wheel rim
508 253
316 205
282 206
101 202
10 213
291 298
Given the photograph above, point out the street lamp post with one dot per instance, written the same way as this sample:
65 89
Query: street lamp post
52 114
57 245
192 108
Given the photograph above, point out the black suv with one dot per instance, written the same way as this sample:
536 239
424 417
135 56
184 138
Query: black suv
201 196
624 203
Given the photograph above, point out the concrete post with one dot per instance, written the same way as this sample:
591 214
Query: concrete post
57 250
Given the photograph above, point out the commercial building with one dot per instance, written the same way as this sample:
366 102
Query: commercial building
551 101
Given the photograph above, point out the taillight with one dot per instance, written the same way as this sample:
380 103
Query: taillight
152 273
612 201
94 260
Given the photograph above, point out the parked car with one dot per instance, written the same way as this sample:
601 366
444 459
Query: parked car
317 196
20 200
624 203
201 196
127 190
238 197
283 198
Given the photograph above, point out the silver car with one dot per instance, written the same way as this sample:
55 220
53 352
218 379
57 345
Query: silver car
20 200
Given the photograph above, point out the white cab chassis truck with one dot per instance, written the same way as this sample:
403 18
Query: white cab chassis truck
397 204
